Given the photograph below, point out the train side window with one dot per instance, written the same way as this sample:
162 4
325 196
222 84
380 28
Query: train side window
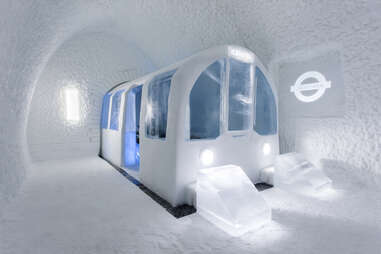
115 109
240 101
205 102
157 105
265 121
105 111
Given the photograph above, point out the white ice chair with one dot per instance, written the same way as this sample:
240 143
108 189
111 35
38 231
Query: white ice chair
227 198
294 173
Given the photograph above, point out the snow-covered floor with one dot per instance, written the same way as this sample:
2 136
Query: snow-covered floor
86 206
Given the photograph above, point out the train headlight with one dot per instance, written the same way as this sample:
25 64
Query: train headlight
266 148
206 157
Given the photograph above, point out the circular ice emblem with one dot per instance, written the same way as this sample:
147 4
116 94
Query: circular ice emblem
320 86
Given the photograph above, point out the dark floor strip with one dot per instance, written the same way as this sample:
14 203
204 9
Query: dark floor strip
177 212
263 186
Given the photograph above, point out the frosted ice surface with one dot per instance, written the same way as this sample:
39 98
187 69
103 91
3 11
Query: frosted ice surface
227 198
293 172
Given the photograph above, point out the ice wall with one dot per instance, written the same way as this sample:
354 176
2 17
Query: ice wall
311 28
165 31
92 63
31 32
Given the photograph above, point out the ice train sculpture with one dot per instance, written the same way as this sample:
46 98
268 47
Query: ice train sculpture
214 110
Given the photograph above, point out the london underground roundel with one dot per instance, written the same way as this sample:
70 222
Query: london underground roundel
319 84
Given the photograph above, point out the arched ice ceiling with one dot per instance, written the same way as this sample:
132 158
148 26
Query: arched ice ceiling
165 31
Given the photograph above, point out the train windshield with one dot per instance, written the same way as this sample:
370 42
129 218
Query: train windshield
265 117
240 101
205 102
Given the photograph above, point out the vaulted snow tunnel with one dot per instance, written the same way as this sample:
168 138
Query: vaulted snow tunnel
60 59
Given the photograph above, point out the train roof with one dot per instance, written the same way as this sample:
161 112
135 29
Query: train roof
235 51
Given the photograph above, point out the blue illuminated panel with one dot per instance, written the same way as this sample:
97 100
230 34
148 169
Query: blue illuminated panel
131 147
105 111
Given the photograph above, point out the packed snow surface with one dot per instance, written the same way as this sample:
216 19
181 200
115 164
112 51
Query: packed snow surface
86 206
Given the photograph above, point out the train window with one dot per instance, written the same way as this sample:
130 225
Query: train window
157 105
115 109
239 95
265 121
204 102
105 111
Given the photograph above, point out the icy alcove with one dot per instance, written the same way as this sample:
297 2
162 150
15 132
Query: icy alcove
91 63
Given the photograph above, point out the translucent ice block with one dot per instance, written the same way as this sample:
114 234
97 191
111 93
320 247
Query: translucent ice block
227 198
295 173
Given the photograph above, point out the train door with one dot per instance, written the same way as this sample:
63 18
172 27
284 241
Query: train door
130 142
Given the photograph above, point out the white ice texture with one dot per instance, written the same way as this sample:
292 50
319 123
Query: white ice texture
227 198
294 173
